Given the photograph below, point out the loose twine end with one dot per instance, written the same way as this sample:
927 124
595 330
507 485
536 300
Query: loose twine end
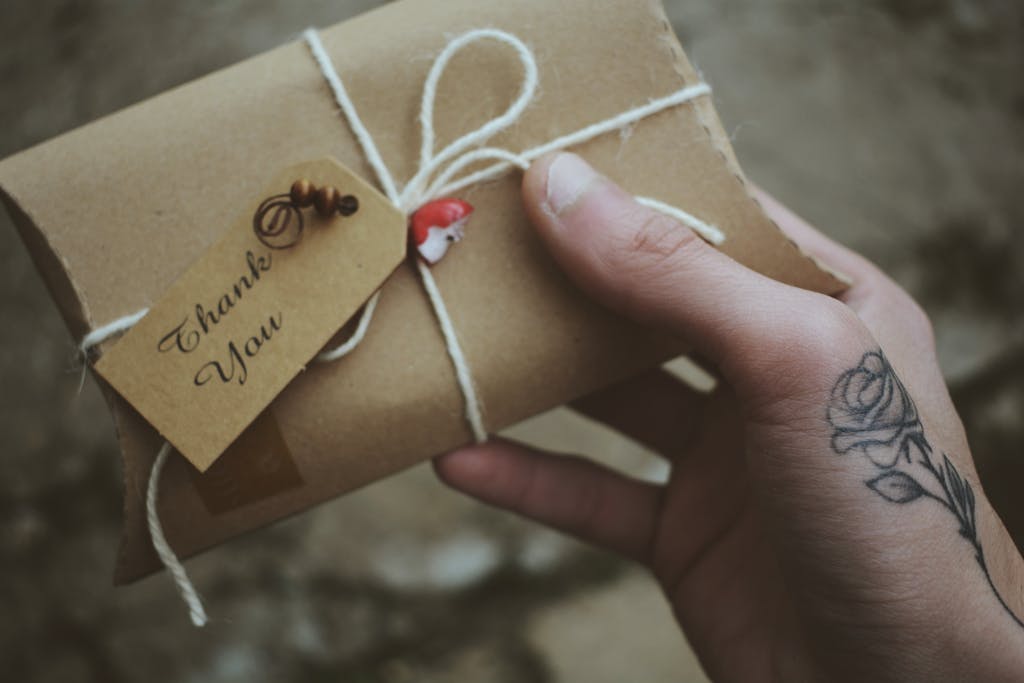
163 549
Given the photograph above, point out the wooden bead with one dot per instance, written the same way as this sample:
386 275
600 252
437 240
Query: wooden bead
347 205
302 193
326 201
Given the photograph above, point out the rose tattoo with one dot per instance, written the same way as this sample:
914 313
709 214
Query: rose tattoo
871 413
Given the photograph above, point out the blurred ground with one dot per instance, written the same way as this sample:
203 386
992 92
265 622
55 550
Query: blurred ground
895 125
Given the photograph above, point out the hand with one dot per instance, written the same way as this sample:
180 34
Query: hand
823 519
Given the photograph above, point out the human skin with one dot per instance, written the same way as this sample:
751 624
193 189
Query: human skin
823 519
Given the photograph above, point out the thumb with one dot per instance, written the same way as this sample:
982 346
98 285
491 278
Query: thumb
652 269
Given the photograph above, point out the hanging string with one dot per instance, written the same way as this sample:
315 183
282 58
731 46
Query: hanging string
163 548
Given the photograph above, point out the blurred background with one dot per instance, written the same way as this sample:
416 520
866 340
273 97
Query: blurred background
897 126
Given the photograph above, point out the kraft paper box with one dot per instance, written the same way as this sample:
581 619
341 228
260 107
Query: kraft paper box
146 191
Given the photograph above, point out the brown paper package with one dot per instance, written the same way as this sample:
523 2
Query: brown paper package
145 191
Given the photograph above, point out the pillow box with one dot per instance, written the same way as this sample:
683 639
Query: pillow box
149 189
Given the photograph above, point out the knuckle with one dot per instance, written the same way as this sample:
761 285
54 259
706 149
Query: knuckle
832 326
527 490
835 321
894 304
915 318
796 350
589 511
655 240
642 259
823 329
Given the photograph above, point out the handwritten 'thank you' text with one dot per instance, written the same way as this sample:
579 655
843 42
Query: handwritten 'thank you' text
188 335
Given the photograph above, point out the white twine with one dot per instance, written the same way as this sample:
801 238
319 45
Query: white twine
101 334
163 548
459 155
706 230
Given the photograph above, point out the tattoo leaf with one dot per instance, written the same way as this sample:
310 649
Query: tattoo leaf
896 487
961 498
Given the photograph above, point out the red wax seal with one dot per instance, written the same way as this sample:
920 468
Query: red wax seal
435 225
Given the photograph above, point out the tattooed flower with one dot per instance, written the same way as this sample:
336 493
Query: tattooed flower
870 411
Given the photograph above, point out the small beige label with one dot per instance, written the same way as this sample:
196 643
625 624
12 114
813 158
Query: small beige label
256 466
245 319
